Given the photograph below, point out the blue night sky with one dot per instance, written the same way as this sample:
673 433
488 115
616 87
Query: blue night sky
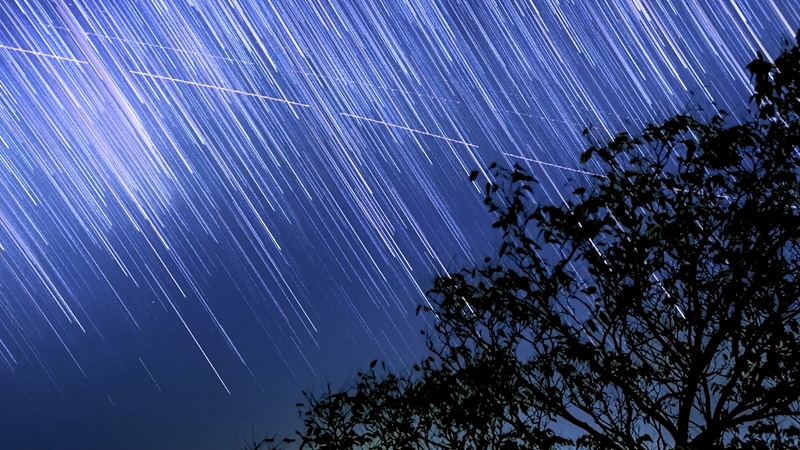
207 207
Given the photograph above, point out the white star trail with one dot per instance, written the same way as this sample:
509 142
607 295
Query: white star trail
150 375
219 88
422 132
156 46
542 163
309 156
46 55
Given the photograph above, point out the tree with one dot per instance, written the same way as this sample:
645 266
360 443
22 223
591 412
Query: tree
268 443
657 308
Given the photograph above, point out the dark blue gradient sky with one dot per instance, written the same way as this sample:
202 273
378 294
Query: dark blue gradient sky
206 207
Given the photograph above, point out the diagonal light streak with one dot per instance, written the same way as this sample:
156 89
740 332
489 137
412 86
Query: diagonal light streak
401 127
161 47
525 158
46 55
218 88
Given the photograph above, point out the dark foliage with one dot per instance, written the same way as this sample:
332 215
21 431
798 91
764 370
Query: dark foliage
267 443
658 308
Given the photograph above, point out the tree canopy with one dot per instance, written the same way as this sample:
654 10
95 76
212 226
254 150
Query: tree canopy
656 308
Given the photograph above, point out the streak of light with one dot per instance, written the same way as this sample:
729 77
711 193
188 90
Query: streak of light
46 55
385 88
525 158
218 88
200 347
151 375
401 127
147 44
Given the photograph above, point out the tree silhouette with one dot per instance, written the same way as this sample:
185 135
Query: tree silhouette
271 442
656 308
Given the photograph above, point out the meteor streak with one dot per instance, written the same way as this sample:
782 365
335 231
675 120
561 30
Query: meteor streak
218 88
46 55
401 127
161 47
525 158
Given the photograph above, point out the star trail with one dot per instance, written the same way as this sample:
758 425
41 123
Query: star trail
214 199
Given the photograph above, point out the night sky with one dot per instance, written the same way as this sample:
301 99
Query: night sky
207 207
